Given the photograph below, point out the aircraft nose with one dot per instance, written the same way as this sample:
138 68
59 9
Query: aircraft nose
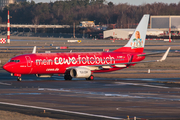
5 66
8 67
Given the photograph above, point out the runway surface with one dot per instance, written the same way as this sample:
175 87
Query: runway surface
99 99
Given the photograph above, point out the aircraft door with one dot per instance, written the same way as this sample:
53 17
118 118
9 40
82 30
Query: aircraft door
28 60
29 64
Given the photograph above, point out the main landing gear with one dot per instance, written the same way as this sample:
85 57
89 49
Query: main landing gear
67 77
90 78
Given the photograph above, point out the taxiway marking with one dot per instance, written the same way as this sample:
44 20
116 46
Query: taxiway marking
65 111
140 84
5 83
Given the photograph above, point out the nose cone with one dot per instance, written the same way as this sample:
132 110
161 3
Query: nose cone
8 67
5 66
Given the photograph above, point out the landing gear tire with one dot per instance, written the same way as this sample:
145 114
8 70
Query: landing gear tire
19 79
67 77
90 78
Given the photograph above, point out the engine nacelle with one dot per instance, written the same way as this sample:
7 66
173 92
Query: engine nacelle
80 72
44 75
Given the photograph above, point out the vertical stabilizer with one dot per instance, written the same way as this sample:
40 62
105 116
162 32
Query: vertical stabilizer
137 40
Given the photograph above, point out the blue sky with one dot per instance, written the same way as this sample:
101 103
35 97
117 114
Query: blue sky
131 2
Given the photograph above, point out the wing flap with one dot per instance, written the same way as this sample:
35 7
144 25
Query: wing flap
121 66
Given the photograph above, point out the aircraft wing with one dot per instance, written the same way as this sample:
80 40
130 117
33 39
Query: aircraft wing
160 60
122 65
147 54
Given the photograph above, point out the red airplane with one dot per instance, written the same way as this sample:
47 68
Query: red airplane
83 64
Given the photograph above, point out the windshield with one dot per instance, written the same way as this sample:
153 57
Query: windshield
14 61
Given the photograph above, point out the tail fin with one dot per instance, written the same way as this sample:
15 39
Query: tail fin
137 40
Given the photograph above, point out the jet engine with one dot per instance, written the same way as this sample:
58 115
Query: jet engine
80 72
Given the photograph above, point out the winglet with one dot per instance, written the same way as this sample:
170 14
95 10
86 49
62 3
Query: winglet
34 49
165 55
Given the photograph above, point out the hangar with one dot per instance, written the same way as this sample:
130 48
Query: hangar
159 25
125 33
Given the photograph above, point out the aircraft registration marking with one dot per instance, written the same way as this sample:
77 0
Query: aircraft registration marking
22 66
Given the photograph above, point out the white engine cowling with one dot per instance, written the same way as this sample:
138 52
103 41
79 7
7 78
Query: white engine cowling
44 75
80 72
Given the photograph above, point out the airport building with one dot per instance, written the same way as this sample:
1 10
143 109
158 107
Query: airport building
159 26
165 23
125 33
3 3
87 24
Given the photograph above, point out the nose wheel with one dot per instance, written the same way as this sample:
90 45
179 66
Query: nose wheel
19 79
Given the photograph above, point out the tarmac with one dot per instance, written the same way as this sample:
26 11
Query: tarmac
132 92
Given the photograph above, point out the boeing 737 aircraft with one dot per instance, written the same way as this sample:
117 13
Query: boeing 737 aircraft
83 64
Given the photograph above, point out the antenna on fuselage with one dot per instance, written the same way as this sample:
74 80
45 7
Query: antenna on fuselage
34 49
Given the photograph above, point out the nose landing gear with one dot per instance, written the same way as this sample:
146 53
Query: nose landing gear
19 79
18 75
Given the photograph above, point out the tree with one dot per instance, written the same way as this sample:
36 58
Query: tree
69 11
110 4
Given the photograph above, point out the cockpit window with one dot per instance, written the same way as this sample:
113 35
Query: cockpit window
14 61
